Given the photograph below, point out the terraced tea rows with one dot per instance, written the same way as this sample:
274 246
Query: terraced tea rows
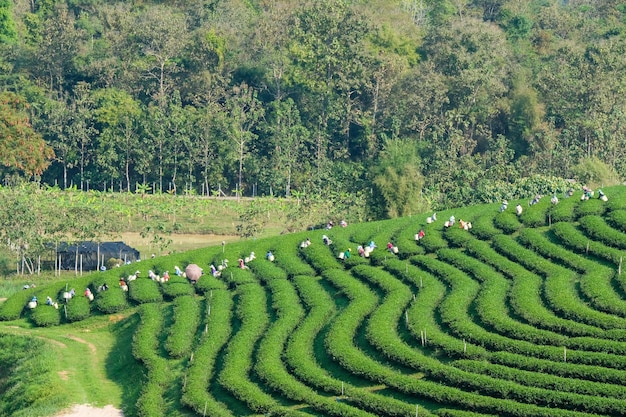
518 316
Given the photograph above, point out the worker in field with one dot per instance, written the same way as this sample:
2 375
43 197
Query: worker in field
554 200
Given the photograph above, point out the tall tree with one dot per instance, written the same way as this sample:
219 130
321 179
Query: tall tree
288 140
160 34
23 150
8 32
244 111
58 49
398 182
327 54
118 147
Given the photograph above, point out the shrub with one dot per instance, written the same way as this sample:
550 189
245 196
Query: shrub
208 283
594 206
172 290
507 221
111 301
144 291
78 308
45 316
182 332
12 308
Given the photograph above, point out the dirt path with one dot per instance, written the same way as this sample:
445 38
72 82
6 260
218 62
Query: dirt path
85 410
92 347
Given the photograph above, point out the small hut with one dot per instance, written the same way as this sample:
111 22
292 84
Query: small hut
89 256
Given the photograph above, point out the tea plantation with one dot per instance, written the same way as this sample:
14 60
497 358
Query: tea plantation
517 315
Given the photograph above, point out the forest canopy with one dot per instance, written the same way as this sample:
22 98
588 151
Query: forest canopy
399 105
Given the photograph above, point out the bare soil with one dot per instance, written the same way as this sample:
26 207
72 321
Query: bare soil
86 410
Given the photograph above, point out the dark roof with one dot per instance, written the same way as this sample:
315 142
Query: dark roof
90 246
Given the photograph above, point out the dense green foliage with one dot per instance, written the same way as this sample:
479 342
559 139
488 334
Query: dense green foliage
383 106
26 377
519 315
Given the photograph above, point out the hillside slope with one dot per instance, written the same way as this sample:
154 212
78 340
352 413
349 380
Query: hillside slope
519 315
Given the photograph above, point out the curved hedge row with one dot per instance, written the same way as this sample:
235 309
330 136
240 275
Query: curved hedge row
596 283
596 228
559 289
300 356
525 297
143 290
270 367
182 333
151 402
239 352
201 369
14 306
339 344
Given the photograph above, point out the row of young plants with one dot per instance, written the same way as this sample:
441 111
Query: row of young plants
238 359
542 380
151 401
490 303
597 229
339 343
201 368
422 324
572 238
384 336
181 334
596 281
525 295
270 367
559 288
300 356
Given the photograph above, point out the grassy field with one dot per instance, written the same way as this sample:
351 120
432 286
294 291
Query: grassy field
518 316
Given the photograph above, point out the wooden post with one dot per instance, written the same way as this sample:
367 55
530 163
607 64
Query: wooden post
564 354
619 269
